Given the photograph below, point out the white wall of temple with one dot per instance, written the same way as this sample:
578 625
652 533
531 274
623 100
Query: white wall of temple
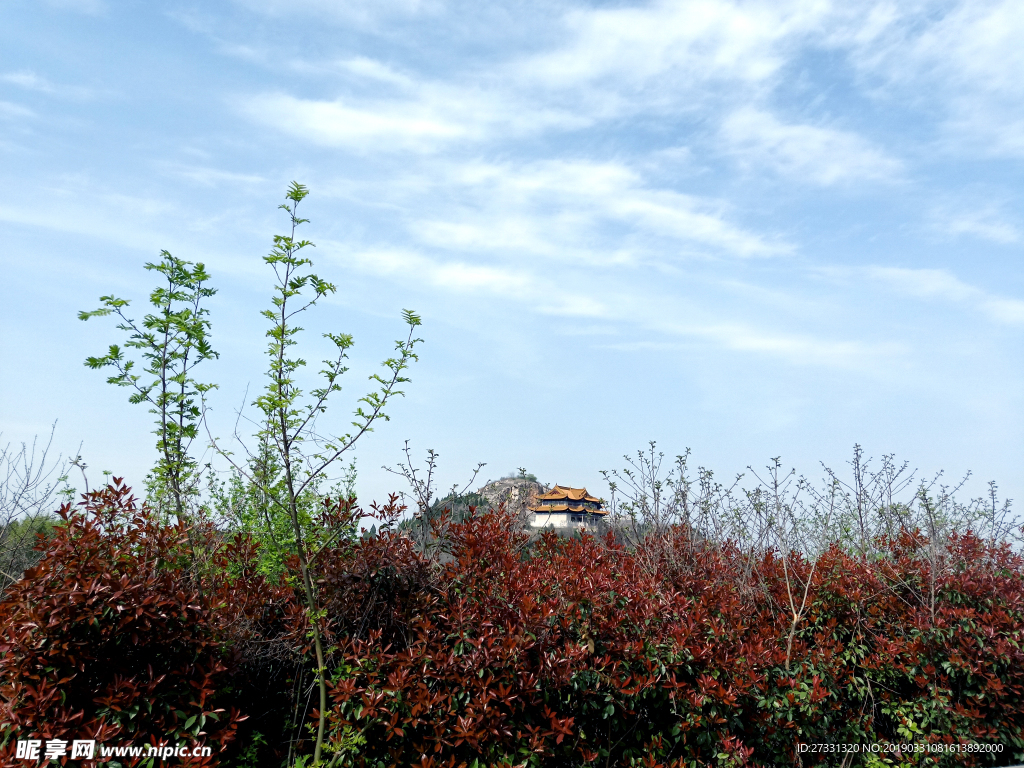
551 519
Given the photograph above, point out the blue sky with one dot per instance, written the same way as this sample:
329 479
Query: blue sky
754 229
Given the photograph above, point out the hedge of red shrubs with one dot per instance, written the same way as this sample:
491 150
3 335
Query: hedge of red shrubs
122 635
499 650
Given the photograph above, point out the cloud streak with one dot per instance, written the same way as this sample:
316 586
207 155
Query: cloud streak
823 156
704 40
943 285
986 224
963 58
12 111
434 118
562 209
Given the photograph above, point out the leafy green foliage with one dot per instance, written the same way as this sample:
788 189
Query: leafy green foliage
170 343
520 474
289 420
245 507
18 542
283 479
455 507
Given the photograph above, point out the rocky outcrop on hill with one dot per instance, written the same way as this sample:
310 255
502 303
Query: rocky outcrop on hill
516 493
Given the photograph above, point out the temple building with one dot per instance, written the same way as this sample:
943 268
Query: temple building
563 507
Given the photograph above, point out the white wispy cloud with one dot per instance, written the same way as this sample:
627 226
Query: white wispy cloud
823 349
10 110
361 70
32 81
986 224
360 12
28 80
801 349
211 177
815 154
567 304
620 305
702 39
457 276
942 284
461 278
963 59
81 205
602 64
89 7
577 210
435 116
372 69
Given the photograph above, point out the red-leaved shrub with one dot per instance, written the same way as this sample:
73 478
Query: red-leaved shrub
576 651
123 635
492 648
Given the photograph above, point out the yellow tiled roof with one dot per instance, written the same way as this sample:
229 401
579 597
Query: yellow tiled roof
560 492
567 508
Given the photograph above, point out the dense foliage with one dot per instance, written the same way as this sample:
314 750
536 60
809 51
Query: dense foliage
123 634
571 651
492 648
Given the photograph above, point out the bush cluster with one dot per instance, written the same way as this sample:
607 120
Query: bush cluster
494 649
125 633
